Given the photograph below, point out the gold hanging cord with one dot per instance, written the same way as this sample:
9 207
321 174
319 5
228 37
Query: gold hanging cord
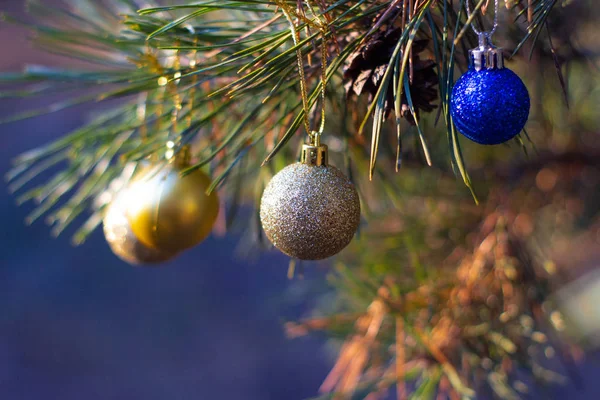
288 11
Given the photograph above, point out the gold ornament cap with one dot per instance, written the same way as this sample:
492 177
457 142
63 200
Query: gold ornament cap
315 153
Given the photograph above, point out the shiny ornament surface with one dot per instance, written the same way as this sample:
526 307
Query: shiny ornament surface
490 106
121 239
310 212
170 212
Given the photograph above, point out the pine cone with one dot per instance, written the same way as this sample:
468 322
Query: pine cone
366 67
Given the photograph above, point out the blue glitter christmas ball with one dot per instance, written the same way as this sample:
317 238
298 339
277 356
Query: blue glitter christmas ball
490 106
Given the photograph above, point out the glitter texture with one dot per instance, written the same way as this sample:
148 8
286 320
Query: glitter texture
121 239
490 106
310 212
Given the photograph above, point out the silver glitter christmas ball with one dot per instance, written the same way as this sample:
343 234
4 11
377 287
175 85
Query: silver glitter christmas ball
122 240
310 212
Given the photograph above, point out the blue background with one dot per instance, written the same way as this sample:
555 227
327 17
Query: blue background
77 323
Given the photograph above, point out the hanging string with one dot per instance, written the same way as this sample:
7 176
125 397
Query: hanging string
487 34
170 87
324 54
141 115
174 92
322 26
192 93
303 92
157 68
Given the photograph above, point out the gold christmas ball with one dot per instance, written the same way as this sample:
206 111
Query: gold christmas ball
170 212
122 241
310 212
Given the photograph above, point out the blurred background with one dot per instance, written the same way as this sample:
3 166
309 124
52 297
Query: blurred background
78 323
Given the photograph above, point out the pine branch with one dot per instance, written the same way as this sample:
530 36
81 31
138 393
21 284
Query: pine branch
218 59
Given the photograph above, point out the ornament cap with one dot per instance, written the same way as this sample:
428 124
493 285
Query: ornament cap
180 158
315 155
486 56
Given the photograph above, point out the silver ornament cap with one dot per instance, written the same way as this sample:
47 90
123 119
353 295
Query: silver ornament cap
486 56
310 210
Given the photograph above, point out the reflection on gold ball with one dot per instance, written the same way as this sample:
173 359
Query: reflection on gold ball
170 212
310 212
121 239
